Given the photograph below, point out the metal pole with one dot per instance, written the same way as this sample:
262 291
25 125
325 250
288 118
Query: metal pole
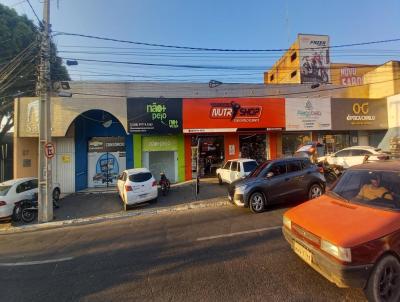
45 172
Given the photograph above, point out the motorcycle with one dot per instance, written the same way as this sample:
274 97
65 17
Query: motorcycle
331 172
29 209
164 184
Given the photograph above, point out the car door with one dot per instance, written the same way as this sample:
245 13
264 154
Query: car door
357 156
342 158
276 185
294 178
24 191
226 171
234 171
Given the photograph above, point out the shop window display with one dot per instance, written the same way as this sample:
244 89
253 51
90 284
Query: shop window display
253 147
211 154
292 141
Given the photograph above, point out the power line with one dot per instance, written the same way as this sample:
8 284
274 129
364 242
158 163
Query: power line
34 12
220 49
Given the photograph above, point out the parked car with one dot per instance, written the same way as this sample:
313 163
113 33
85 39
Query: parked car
12 192
235 169
137 186
275 181
352 156
351 235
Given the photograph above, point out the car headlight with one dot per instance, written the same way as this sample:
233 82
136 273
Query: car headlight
287 222
240 190
340 253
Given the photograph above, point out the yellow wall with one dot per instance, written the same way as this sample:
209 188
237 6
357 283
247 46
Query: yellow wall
283 68
25 151
342 73
384 80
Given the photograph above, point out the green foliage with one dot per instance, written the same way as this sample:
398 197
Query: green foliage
16 33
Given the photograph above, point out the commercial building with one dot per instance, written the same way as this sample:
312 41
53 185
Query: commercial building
107 127
177 128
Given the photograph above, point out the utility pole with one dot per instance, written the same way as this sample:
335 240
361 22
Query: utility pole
44 84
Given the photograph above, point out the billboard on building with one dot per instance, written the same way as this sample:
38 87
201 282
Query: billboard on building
154 115
359 114
314 59
308 114
230 114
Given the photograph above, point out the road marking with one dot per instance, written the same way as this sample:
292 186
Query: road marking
36 262
239 233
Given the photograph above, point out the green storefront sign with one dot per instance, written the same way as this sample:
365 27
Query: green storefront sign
159 143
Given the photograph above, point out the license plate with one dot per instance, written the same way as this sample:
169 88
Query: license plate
302 252
142 195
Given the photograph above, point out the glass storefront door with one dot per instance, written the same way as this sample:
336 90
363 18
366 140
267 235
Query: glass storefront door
292 141
211 154
253 146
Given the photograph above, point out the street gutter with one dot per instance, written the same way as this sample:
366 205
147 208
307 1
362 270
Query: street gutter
113 216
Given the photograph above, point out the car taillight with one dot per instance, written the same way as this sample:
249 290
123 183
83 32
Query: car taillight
128 188
154 183
2 203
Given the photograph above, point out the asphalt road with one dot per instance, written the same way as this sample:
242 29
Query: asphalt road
224 254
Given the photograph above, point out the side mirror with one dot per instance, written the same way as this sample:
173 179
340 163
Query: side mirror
270 174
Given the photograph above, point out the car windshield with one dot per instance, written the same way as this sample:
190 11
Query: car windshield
249 166
372 188
4 190
140 177
259 169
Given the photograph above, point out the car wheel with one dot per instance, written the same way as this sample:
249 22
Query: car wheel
17 212
384 281
56 194
219 180
314 191
257 202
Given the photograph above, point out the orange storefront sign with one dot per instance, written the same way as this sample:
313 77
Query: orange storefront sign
230 114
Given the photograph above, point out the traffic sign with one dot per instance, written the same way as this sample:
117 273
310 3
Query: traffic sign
49 150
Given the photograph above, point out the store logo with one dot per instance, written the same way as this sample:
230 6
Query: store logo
363 107
309 106
309 111
159 112
318 43
235 112
359 116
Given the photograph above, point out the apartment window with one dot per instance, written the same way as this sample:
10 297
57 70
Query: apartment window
271 78
293 74
293 56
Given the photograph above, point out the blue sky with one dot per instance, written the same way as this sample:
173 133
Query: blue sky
257 24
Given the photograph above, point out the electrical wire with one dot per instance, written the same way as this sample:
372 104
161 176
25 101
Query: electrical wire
58 33
34 12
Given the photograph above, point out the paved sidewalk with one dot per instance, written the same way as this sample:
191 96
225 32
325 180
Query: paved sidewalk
89 207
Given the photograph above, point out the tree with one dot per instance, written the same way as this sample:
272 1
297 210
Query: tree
19 61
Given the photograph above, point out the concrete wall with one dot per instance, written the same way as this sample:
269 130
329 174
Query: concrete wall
281 71
25 157
64 111
384 80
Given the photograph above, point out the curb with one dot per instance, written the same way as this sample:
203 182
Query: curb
114 216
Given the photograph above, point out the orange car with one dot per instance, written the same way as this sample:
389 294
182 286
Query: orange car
351 235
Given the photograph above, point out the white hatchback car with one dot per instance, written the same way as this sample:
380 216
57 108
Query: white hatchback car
352 156
235 169
15 190
137 186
